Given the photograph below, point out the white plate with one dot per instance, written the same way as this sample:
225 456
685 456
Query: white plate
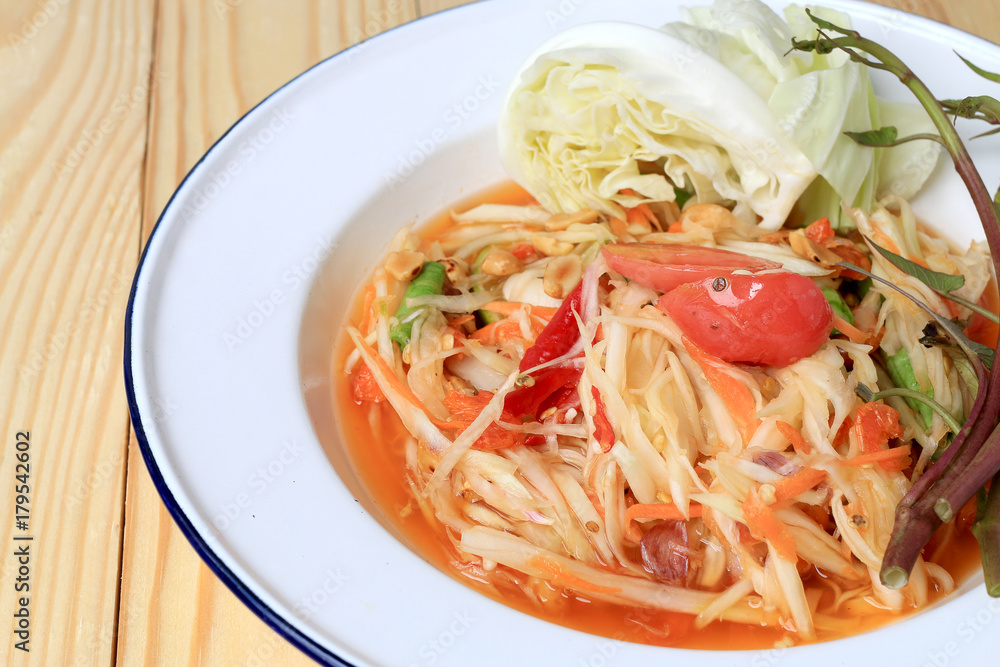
243 285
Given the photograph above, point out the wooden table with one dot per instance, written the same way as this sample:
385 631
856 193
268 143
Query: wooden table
105 105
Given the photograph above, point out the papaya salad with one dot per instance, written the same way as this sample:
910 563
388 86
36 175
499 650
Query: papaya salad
652 382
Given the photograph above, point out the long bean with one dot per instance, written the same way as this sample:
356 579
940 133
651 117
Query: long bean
429 281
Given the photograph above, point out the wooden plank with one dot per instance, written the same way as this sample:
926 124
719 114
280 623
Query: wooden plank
428 7
75 78
980 17
218 59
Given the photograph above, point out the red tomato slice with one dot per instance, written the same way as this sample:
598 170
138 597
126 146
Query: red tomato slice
665 266
771 318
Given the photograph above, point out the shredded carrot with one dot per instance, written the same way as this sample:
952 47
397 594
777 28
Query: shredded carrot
523 251
465 408
364 388
875 339
843 432
735 394
793 436
819 230
851 254
855 334
799 482
397 385
568 579
500 332
508 308
775 238
641 213
367 310
895 459
456 321
874 425
505 331
618 226
676 227
666 511
881 239
764 524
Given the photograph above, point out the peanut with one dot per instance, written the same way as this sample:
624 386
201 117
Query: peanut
404 265
561 275
561 221
809 249
456 270
550 246
500 263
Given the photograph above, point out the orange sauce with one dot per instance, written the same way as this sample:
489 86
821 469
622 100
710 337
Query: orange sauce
375 442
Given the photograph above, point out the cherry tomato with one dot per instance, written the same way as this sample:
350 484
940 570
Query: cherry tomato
771 318
665 266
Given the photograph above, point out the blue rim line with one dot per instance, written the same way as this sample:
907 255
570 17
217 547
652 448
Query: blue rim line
272 618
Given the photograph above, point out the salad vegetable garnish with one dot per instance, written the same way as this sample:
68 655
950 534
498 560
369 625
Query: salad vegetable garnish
674 129
973 457
707 364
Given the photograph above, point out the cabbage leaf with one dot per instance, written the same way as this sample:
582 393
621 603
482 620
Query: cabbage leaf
607 107
714 105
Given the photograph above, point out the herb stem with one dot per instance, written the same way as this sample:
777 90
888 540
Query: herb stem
974 455
987 531
946 416
974 307
888 61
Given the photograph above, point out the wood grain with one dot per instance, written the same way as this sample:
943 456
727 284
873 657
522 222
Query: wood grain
980 17
72 140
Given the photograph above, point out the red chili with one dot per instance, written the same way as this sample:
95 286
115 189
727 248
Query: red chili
559 335
556 339
547 382
603 432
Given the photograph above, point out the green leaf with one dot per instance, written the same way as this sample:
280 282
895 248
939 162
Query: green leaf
964 368
980 353
985 353
942 282
981 107
978 70
884 136
826 25
934 337
681 196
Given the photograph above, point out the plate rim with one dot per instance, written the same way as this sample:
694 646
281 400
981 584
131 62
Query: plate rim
919 25
273 619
